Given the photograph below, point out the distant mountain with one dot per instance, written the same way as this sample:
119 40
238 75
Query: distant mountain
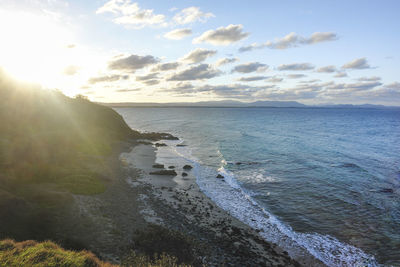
223 103
232 103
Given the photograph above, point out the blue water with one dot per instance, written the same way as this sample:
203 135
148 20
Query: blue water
322 180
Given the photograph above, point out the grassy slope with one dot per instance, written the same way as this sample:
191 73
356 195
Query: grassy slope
31 253
52 147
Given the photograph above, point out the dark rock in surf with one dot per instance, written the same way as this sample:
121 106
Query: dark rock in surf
158 166
159 144
184 174
187 167
386 190
171 167
164 172
219 176
180 145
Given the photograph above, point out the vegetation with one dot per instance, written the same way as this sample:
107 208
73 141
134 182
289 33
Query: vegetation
53 147
31 253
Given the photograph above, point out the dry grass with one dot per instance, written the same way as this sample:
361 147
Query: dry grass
32 253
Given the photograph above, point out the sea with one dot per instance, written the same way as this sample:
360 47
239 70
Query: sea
321 180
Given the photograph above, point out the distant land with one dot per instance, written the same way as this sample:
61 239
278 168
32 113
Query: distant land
231 103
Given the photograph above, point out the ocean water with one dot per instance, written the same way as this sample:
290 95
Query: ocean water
325 181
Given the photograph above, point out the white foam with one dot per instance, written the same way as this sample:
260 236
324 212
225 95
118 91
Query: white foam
230 196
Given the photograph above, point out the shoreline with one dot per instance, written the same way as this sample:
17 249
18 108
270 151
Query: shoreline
135 201
177 203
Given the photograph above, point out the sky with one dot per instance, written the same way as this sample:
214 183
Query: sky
313 52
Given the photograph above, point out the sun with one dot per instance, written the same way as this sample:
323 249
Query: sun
39 48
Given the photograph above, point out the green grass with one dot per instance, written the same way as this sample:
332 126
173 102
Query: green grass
82 184
31 253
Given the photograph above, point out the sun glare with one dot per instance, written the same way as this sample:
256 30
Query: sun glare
36 48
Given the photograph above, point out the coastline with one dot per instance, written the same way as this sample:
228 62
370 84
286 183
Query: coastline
177 203
135 201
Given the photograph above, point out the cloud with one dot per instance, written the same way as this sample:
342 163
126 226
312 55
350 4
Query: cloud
252 78
359 63
292 40
351 87
130 14
109 78
151 82
128 90
149 76
199 72
341 74
275 79
393 86
296 76
224 61
327 69
224 90
369 79
190 15
178 34
198 55
250 67
296 66
132 62
223 35
166 66
71 70
149 79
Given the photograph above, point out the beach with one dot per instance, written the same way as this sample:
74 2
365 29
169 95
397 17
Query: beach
136 200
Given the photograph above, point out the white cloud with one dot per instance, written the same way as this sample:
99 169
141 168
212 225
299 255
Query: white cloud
296 66
327 69
250 67
198 55
252 78
275 79
190 15
359 63
71 70
130 14
178 34
369 79
132 62
224 61
292 40
166 66
341 74
222 35
296 76
108 78
199 72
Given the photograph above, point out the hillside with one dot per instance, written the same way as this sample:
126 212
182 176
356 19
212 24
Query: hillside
53 148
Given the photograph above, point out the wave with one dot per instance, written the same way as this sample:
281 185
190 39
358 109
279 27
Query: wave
230 196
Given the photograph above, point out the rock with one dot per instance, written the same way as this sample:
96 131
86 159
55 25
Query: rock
187 167
219 176
180 145
171 167
158 166
159 144
238 163
184 174
158 136
141 142
164 172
